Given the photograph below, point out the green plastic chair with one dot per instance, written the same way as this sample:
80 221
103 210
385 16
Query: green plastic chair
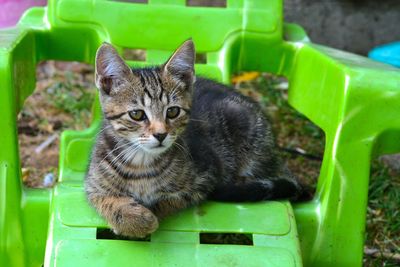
354 100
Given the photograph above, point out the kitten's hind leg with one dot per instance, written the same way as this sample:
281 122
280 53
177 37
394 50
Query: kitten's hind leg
257 190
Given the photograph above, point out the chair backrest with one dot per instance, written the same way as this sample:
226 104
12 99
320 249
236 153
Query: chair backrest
227 37
163 24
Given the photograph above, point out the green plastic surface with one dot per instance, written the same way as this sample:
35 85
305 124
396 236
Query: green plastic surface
354 100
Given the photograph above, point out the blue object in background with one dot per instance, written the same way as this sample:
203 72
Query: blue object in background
388 53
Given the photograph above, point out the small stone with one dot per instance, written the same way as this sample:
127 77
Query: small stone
48 180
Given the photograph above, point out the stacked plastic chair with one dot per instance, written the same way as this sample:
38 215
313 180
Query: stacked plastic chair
354 100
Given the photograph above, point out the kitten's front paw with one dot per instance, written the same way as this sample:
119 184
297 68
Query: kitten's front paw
134 221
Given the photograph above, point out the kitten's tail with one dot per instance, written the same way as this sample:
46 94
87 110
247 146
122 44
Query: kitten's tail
257 190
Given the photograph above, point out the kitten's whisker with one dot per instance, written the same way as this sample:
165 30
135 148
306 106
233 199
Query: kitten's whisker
102 130
114 159
115 148
124 152
131 153
118 156
183 150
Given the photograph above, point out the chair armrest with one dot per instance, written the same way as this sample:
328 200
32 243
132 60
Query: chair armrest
356 102
18 58
293 32
16 74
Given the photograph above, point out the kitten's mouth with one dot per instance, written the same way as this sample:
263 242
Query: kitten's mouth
158 147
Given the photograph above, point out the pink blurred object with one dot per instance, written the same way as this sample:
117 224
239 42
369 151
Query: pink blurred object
11 10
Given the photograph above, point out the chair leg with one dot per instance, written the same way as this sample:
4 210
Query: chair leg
332 226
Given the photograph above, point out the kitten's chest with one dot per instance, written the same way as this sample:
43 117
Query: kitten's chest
146 191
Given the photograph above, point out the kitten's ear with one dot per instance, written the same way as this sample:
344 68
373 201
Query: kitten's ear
111 69
181 64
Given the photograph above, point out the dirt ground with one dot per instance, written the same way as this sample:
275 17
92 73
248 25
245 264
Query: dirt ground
62 100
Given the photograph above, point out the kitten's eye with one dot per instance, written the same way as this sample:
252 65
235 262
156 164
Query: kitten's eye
173 112
137 115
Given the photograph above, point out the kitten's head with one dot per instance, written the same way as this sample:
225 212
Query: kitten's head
149 107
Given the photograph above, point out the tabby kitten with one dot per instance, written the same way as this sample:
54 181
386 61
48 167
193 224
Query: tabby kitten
170 140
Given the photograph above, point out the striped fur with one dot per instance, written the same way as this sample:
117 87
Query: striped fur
218 147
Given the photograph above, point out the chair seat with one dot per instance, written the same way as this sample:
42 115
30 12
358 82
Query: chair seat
125 253
74 239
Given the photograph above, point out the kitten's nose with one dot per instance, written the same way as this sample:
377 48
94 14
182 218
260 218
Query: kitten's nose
160 136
